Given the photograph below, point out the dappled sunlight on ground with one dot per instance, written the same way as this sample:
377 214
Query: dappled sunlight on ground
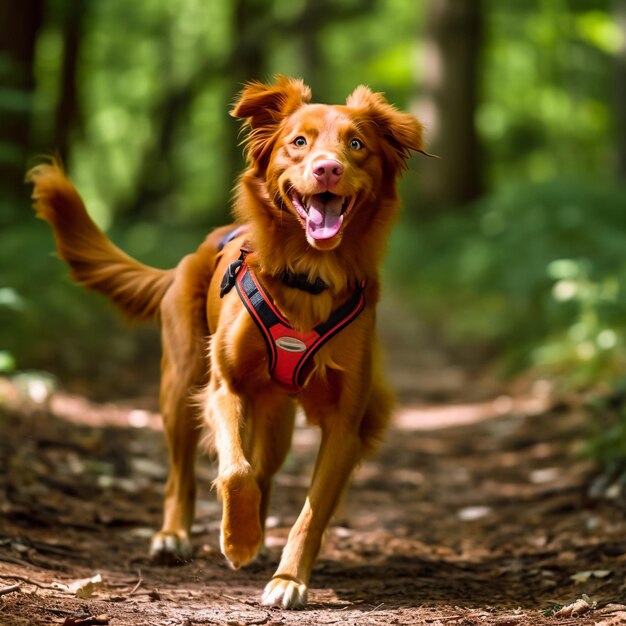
445 416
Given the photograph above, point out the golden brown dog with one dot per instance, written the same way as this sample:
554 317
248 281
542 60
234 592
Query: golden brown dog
317 201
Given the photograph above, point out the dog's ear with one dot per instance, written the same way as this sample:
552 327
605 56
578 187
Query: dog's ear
402 132
265 104
264 107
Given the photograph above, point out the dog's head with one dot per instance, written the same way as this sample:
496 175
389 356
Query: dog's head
326 166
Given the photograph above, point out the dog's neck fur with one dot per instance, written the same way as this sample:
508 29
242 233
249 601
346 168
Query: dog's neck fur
280 245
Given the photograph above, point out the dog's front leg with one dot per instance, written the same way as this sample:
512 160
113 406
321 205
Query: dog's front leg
241 532
339 452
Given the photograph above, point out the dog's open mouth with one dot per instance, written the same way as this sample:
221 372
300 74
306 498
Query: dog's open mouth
322 213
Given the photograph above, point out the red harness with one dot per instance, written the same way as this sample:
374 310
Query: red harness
289 350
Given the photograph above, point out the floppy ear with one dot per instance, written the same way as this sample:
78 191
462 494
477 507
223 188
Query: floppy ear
402 132
267 104
264 107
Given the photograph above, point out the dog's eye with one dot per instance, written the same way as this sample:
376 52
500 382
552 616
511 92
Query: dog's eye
300 142
355 144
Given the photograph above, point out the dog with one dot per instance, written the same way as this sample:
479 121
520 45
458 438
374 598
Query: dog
275 310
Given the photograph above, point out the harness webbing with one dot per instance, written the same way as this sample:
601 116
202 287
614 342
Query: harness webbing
289 350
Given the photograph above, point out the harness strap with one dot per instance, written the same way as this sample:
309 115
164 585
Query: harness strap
233 234
297 281
302 282
290 350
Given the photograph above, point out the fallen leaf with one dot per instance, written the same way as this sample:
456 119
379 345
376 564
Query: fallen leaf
545 475
583 577
613 608
85 587
472 513
579 607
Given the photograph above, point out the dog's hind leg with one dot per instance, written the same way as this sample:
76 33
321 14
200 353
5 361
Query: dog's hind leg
183 372
171 543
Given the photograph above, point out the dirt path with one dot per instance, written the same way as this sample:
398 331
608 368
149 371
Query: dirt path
474 511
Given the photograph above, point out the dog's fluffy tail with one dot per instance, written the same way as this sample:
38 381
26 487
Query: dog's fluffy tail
94 260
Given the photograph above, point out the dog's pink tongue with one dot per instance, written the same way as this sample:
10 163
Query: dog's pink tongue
325 219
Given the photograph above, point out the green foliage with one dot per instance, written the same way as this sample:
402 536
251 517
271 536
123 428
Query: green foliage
547 90
608 440
49 323
363 44
534 270
10 304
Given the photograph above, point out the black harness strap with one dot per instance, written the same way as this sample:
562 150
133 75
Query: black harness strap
342 315
302 282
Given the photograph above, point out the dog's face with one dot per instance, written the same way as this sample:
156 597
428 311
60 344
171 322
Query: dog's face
325 165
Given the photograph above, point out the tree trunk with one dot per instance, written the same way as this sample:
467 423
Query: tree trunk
67 117
450 85
248 62
620 93
313 15
19 24
308 28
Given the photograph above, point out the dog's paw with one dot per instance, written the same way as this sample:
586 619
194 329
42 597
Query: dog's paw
285 592
169 548
239 552
241 534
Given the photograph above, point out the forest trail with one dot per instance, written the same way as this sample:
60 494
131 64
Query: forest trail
474 511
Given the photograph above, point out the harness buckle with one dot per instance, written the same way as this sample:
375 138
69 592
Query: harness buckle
232 271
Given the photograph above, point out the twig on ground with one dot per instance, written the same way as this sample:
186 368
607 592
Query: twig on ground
39 562
14 561
26 580
58 550
257 622
230 597
139 583
246 602
10 589
92 620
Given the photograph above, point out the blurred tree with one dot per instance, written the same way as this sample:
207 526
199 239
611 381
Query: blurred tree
449 93
248 61
156 178
313 52
309 24
19 25
620 90
243 61
548 82
68 117
251 31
